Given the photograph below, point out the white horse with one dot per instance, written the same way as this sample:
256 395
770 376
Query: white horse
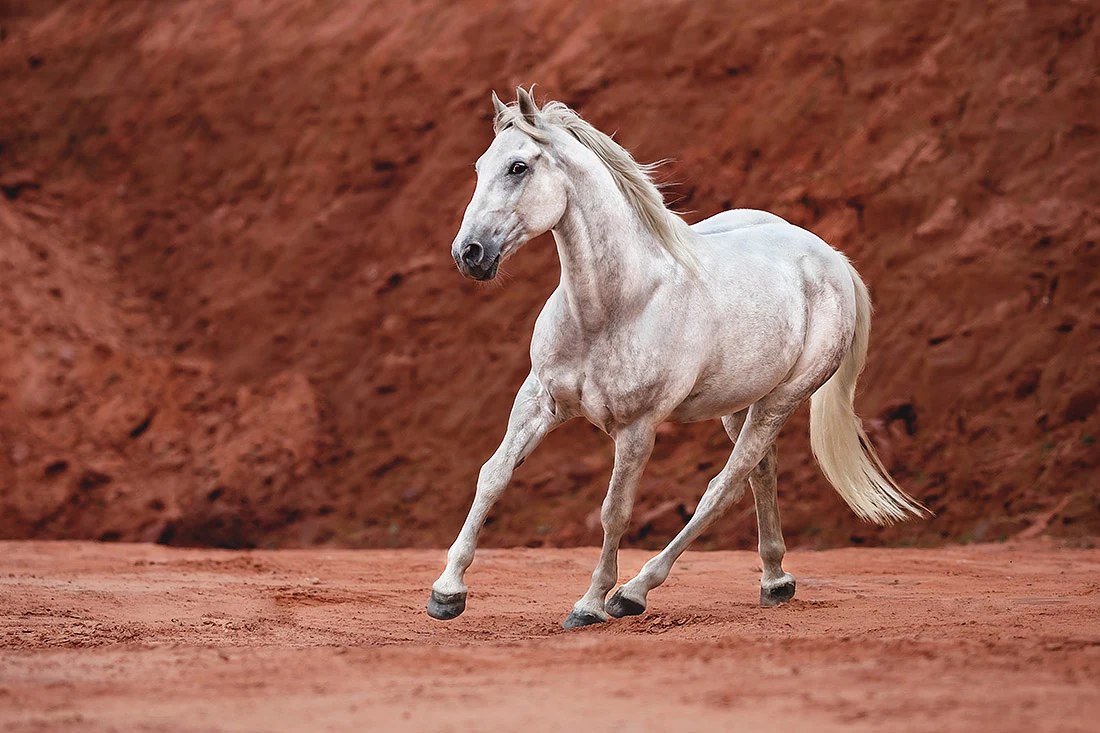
742 316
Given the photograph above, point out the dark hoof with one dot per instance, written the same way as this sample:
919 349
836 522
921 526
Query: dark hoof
446 606
576 620
619 605
776 594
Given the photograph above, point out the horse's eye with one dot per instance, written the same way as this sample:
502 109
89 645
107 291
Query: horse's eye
517 168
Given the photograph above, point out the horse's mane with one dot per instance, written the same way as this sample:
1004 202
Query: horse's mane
634 179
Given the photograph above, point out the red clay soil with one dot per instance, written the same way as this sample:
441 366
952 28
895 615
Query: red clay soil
98 637
228 313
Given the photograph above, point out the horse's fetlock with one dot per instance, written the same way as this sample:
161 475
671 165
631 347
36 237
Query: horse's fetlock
772 550
604 578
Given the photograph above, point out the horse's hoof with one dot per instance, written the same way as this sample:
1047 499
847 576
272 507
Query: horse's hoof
445 606
777 592
576 620
619 605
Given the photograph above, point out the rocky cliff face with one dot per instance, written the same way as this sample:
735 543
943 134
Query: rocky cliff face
229 313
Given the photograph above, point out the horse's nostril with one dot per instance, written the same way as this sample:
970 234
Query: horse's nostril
473 254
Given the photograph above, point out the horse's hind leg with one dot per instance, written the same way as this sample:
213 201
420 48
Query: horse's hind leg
632 448
762 424
776 586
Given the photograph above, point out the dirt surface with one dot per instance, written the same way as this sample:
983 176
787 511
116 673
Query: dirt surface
144 638
228 313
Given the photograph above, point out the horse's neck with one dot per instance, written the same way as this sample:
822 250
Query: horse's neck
609 261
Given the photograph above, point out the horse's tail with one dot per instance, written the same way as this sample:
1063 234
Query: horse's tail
841 447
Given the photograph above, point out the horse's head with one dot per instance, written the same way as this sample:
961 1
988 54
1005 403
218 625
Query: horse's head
520 194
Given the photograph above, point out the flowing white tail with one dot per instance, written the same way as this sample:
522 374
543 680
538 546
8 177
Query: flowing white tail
841 447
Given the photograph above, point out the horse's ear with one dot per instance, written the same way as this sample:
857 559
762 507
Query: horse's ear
527 105
498 106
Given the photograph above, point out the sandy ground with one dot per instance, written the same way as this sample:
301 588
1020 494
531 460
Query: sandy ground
141 637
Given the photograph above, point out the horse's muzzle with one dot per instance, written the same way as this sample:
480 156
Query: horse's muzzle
476 261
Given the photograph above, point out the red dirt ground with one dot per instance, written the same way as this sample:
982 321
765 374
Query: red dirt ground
228 314
101 637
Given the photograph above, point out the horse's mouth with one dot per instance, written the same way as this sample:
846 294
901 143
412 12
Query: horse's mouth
488 273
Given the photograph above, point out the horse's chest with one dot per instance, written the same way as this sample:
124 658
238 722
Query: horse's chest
599 385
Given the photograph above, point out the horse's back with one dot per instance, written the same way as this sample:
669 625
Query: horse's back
769 245
735 219
774 288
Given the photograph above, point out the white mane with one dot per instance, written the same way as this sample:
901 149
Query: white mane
633 179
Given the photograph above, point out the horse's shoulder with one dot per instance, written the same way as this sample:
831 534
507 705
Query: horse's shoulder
549 324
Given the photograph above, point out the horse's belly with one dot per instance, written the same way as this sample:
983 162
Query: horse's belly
706 407
709 404
736 378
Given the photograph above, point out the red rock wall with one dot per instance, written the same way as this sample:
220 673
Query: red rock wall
229 314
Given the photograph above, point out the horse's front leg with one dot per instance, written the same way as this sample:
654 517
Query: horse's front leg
531 419
632 448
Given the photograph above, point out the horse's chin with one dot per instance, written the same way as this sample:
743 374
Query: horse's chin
484 275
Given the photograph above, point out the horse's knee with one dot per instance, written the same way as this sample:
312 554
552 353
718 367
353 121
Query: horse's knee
615 516
615 527
493 472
